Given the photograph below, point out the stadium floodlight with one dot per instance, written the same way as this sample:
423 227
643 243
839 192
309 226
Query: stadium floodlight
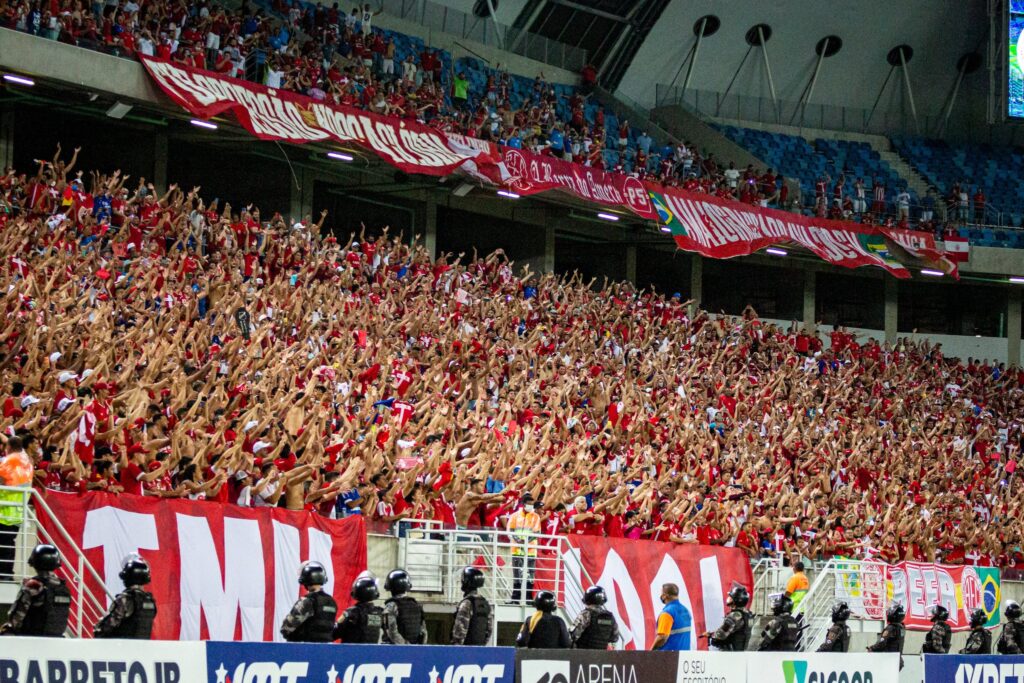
1017 280
507 195
932 273
665 228
608 216
340 156
203 124
20 80
775 251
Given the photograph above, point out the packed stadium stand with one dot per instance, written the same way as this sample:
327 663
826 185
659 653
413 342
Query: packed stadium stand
510 359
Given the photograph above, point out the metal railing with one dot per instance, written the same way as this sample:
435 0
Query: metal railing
861 584
434 16
89 592
515 569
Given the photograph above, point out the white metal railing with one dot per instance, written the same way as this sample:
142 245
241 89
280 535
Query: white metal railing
435 557
89 593
860 584
769 578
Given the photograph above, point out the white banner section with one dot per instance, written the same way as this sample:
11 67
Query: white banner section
711 667
56 660
810 667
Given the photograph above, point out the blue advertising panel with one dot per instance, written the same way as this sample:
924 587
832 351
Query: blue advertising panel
974 669
329 663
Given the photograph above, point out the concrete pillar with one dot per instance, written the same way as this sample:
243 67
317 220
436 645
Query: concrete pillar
810 288
1013 327
160 162
549 247
631 264
6 140
696 281
891 308
429 235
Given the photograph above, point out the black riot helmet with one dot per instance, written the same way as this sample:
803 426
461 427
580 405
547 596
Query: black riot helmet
545 601
398 582
472 578
782 605
939 613
738 597
44 558
595 595
840 612
312 574
978 618
895 614
134 571
364 589
1012 610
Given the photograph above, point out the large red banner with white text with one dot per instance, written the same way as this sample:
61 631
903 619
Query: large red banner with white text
220 572
633 572
714 227
271 114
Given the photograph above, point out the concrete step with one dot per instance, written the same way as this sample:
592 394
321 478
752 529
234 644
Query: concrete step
915 180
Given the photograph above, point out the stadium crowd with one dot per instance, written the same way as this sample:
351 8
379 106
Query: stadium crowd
162 346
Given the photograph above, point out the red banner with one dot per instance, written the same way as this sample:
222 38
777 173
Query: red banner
723 228
271 114
220 572
632 574
531 173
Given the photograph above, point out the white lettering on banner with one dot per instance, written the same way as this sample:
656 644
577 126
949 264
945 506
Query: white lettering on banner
668 572
606 673
711 591
119 533
202 591
471 673
270 672
40 660
616 580
990 673
377 673
286 554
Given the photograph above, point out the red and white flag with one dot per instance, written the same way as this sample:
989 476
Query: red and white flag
83 439
958 249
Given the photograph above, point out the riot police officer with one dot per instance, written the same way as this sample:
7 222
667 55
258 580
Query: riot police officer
473 615
979 642
313 615
1011 640
892 636
544 630
363 621
837 639
734 633
595 627
938 640
132 613
782 634
403 616
44 601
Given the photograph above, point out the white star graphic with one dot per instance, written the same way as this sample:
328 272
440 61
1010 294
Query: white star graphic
221 673
332 675
433 674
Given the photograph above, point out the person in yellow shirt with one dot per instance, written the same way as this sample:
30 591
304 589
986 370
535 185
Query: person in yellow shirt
797 586
523 525
16 473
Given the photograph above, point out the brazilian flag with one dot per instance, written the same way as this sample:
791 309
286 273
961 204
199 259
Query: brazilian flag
666 216
877 246
990 593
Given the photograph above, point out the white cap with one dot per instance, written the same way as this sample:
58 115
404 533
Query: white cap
249 425
259 446
26 401
66 376
55 356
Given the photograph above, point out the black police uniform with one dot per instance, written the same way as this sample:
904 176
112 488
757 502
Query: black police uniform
479 624
361 623
41 607
1011 640
837 639
320 611
548 632
131 616
599 632
410 619
782 634
938 640
979 642
734 633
